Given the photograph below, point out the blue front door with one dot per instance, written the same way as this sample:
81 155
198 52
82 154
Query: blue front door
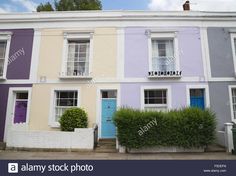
197 98
108 127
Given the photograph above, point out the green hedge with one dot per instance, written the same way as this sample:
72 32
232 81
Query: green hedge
189 127
73 118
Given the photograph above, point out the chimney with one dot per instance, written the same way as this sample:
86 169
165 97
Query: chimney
186 6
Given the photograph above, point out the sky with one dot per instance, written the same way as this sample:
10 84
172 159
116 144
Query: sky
7 6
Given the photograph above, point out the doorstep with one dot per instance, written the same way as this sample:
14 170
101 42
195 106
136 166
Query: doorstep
215 148
2 145
106 146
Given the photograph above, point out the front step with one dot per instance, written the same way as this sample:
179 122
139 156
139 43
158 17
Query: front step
106 146
2 145
215 148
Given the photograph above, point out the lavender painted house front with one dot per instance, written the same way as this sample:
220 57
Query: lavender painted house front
148 49
15 63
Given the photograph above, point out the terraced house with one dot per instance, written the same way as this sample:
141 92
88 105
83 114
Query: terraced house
103 60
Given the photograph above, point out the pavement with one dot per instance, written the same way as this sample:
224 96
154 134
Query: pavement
34 155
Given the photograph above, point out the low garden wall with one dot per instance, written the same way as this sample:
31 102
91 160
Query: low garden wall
81 138
185 130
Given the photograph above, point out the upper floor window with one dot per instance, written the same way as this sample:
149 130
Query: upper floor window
163 54
3 45
4 53
77 63
77 55
233 44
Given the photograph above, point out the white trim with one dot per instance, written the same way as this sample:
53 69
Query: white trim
206 95
206 52
232 31
76 35
5 33
35 55
221 79
170 32
10 107
169 94
158 34
98 111
51 17
125 80
231 102
51 119
233 37
7 37
203 54
120 53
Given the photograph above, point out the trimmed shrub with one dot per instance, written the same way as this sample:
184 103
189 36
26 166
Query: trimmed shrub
189 127
73 118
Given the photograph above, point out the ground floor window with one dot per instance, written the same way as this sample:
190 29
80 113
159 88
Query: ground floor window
233 102
155 100
64 100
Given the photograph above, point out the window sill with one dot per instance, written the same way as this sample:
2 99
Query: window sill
75 77
2 78
163 77
54 125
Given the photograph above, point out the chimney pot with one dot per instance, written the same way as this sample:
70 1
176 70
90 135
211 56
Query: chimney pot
186 6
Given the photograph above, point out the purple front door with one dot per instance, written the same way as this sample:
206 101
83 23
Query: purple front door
20 111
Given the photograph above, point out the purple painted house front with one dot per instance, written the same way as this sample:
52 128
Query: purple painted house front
166 52
16 53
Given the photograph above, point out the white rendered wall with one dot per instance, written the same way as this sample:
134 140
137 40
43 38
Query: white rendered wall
80 139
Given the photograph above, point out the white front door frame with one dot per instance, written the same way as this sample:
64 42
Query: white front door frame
9 122
206 94
99 98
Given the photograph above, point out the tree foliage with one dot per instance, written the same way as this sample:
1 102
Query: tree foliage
45 7
70 5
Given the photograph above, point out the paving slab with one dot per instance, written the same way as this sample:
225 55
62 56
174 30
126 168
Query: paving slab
29 155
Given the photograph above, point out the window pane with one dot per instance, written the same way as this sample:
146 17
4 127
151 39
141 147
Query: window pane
109 94
197 92
155 97
22 96
3 45
162 49
235 45
1 67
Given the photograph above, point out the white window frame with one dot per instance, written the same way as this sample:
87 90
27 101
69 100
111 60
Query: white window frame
168 96
52 122
206 94
163 34
83 35
231 102
233 36
7 37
